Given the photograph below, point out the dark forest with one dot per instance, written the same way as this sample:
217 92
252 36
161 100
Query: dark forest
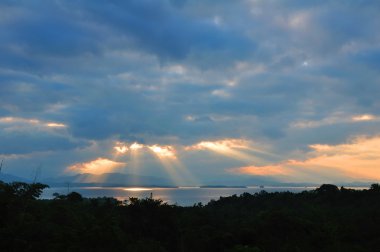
325 219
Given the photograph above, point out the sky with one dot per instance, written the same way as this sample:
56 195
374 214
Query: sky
193 91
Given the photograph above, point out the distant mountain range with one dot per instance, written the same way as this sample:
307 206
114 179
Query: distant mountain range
11 178
131 180
108 180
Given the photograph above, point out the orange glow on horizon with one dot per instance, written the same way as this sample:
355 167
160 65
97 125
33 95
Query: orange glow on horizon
358 159
268 170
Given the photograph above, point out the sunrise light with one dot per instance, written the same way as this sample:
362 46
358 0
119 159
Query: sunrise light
238 149
163 151
136 146
121 148
137 189
365 117
97 166
356 159
56 125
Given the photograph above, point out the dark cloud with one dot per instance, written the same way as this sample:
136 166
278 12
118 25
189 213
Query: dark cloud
71 29
24 143
157 28
25 136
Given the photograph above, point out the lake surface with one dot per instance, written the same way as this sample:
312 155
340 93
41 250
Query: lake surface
183 196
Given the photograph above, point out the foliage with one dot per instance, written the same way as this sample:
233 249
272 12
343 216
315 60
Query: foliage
21 190
325 219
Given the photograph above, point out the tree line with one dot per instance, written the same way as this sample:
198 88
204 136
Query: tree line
325 219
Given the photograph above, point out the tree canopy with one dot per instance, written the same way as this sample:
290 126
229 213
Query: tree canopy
326 219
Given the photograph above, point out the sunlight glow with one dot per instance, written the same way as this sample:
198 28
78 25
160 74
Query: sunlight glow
121 149
163 151
261 170
7 119
136 146
358 159
132 153
19 120
97 166
224 144
34 122
232 148
177 171
333 119
365 117
137 189
135 159
56 125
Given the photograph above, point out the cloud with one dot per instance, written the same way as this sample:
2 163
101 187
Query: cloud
27 135
335 119
221 144
97 166
13 123
356 160
50 29
365 117
163 151
241 150
274 170
178 73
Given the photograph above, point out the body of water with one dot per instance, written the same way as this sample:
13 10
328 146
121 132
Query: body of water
183 196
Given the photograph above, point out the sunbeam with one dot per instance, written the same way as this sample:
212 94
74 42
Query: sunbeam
234 148
168 158
163 151
136 146
186 176
164 154
135 157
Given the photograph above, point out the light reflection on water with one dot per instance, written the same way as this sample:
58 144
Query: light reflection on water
137 189
183 196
